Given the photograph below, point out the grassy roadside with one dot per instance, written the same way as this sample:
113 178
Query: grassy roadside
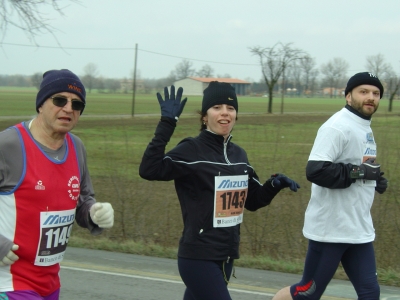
387 277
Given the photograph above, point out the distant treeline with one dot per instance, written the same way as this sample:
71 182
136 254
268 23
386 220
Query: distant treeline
111 85
15 80
102 84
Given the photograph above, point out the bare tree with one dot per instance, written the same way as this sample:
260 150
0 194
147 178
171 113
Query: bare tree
392 85
376 64
334 71
273 62
182 70
112 85
294 79
205 71
89 78
28 17
309 74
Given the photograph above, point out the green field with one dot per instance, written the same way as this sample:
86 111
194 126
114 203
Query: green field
21 102
147 214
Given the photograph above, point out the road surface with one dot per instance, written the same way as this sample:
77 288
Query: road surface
102 275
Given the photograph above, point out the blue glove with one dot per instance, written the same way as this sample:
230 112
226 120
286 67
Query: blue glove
281 181
171 107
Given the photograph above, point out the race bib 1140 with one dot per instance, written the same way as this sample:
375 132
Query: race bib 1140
55 230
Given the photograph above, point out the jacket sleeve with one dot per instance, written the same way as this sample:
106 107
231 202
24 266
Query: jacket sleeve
324 167
259 195
328 174
158 165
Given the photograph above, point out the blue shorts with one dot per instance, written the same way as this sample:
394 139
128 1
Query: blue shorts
205 279
322 261
28 295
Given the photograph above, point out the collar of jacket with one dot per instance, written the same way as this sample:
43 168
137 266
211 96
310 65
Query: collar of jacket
213 137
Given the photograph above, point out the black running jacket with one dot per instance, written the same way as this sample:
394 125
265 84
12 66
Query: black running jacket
193 165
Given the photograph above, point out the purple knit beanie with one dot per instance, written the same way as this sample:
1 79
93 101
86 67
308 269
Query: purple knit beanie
56 81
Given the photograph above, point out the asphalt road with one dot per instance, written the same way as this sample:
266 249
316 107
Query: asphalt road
93 274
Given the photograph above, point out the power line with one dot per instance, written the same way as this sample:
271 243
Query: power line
126 49
215 62
59 47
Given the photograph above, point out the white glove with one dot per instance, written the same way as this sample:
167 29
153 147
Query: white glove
102 214
10 258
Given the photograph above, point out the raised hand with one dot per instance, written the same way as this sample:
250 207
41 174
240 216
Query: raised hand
172 106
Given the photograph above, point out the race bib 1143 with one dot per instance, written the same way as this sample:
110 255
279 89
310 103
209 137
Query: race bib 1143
229 199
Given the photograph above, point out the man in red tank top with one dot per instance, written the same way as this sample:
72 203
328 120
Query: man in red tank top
44 188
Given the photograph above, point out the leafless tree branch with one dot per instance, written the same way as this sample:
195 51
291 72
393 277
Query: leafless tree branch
28 16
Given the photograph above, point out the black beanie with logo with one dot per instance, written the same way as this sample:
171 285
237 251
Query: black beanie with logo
219 93
363 78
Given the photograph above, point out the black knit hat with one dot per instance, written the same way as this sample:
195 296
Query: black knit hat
363 78
56 81
219 93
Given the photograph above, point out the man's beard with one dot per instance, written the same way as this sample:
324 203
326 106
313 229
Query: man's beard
362 110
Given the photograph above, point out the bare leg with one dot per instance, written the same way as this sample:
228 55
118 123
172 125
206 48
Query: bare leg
283 294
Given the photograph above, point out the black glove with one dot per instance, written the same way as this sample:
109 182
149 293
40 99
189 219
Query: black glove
381 184
368 170
171 107
281 181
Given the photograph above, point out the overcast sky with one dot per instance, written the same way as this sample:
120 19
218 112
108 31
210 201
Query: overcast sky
214 32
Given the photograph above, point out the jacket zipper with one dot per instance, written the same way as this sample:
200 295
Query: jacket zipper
225 155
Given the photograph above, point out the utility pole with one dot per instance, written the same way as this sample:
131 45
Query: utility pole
134 82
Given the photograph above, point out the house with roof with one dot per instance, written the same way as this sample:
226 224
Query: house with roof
196 85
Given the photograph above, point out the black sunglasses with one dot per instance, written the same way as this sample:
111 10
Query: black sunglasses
62 101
